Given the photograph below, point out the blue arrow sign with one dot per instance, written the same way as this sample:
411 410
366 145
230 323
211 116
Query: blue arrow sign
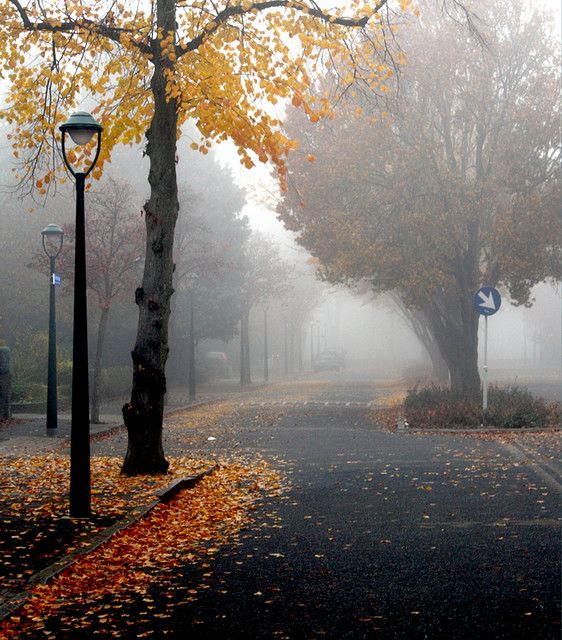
55 279
487 301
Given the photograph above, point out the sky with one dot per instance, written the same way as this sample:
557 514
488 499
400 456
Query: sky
261 185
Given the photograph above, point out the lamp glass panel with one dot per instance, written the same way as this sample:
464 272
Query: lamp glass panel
52 243
81 136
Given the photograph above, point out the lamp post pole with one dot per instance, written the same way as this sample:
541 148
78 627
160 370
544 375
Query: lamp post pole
80 494
286 347
265 353
191 372
52 244
311 346
52 421
81 127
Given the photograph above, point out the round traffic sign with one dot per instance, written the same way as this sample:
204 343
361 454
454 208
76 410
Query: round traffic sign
487 301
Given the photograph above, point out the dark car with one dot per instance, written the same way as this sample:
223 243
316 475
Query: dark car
328 361
213 364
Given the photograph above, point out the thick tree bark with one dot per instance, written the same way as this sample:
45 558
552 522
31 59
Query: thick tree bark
453 319
143 415
421 327
454 324
96 380
439 368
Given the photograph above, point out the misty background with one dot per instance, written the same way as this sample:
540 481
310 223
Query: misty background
523 348
240 269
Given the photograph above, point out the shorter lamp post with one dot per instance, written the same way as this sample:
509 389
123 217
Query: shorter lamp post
52 236
81 127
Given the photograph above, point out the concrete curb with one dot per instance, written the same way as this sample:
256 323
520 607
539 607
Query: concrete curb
44 576
476 430
115 428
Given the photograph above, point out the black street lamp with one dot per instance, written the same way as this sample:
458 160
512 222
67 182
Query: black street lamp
81 127
52 236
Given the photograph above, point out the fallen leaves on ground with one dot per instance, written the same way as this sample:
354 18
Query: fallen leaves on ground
191 526
385 418
34 503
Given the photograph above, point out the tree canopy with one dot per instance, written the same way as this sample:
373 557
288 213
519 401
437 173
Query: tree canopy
224 65
453 184
148 69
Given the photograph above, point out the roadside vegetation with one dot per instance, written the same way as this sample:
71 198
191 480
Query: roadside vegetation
511 407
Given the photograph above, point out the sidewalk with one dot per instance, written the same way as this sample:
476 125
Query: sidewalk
37 539
26 433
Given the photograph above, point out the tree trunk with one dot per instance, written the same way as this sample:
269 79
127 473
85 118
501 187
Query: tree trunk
96 380
454 324
242 351
439 368
245 377
420 325
143 415
247 348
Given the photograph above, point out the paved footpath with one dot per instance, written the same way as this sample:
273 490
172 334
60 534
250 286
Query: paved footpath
382 535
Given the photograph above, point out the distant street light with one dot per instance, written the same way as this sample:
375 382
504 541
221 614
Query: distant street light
81 127
52 236
191 380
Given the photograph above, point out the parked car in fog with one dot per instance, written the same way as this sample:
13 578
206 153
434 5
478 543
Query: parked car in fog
328 361
213 364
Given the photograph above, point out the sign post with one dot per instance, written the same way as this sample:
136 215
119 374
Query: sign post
487 301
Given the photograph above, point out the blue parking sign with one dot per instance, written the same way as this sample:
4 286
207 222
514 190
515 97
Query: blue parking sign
487 301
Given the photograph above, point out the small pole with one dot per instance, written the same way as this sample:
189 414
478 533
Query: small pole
191 377
311 347
52 420
485 381
286 348
265 354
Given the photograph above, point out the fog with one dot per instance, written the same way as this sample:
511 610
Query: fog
523 343
377 342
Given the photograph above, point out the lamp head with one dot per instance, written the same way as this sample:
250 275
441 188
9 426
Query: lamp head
52 240
81 126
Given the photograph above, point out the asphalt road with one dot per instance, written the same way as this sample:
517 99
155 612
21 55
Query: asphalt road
384 535
378 535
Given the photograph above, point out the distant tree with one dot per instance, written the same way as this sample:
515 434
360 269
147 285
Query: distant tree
456 186
209 244
266 276
114 243
305 295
